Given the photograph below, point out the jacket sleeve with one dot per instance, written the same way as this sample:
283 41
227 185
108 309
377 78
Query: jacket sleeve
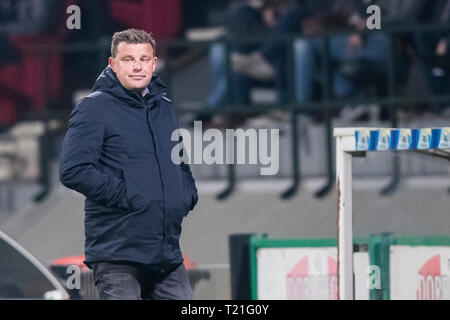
80 153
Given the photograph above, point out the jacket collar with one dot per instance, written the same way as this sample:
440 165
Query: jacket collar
107 81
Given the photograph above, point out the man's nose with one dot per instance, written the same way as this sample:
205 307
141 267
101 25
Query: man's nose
137 65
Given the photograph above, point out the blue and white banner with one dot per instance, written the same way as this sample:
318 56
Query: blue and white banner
402 139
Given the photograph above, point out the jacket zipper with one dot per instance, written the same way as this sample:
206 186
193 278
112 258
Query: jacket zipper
148 116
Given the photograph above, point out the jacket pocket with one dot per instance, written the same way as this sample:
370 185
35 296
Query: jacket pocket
189 192
143 185
121 202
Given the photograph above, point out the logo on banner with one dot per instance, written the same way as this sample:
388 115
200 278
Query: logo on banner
313 279
444 139
362 140
384 139
432 284
404 139
424 139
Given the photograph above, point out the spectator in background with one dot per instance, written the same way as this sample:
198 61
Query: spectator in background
434 49
356 59
308 51
270 61
344 49
257 62
245 19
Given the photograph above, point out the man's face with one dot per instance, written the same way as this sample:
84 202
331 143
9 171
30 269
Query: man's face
134 65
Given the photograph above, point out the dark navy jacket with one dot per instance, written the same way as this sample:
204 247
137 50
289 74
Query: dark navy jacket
117 152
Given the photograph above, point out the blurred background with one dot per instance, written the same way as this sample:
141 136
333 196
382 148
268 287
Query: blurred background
301 66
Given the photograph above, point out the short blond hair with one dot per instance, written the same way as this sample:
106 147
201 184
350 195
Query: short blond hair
133 36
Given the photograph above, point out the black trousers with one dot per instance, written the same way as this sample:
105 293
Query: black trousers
124 281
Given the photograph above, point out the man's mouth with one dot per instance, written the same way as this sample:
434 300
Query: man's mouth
137 77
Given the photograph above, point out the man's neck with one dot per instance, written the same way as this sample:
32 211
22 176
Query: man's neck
144 92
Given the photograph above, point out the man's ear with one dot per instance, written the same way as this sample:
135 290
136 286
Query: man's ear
111 62
154 64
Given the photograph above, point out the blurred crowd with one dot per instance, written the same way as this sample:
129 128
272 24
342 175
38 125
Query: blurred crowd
40 68
36 75
358 62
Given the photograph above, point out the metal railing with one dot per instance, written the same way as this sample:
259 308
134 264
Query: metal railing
327 104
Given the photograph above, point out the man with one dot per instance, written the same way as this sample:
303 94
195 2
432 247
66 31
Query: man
117 152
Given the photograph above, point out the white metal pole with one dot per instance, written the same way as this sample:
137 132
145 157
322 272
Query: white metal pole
344 219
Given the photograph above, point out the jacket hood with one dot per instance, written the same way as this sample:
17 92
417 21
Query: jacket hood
107 81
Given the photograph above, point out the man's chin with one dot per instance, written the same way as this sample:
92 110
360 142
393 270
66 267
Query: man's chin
139 89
